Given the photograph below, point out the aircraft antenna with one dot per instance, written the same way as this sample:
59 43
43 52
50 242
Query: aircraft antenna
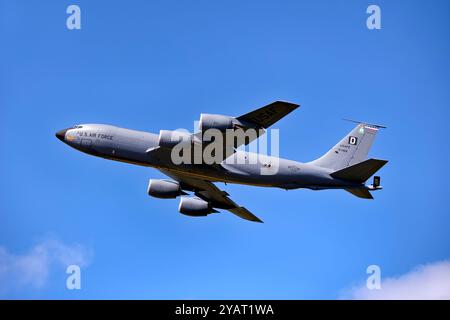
378 126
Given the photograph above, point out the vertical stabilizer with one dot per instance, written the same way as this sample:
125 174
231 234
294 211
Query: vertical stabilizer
352 149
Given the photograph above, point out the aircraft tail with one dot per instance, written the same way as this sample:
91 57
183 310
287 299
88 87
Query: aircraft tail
359 173
352 149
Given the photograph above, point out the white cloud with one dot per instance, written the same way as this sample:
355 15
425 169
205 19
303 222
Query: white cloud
32 269
428 282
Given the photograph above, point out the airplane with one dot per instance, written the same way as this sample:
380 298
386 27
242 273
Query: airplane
345 166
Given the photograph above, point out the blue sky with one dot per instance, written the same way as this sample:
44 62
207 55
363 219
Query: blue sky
154 65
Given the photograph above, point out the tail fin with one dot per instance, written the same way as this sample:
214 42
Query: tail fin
352 149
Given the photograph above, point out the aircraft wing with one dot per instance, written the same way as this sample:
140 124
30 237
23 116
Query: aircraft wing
208 191
258 119
266 116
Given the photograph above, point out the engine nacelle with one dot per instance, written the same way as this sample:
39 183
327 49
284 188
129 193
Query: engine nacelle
195 207
223 123
165 189
216 121
169 139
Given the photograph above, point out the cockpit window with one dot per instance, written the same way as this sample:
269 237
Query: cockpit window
77 127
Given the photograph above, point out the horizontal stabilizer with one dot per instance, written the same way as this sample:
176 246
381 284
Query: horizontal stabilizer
360 172
360 193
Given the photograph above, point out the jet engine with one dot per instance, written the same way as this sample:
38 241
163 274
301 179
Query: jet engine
195 207
216 121
165 189
168 139
222 123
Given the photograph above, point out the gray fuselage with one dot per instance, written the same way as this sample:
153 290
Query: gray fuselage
132 146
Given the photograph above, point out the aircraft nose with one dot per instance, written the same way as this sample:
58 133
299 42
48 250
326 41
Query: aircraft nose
61 134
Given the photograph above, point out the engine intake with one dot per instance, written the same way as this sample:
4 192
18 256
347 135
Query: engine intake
164 189
195 207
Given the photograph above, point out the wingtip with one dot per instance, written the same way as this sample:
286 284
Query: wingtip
293 104
255 219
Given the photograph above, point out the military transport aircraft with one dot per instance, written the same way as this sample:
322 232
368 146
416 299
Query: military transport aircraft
345 166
